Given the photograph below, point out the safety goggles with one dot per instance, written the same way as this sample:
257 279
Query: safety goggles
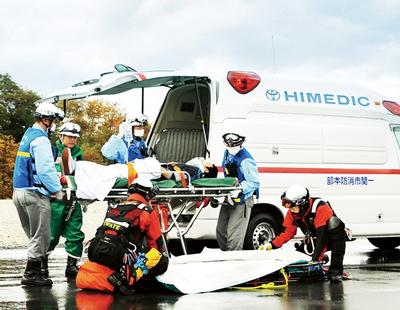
233 139
141 120
287 201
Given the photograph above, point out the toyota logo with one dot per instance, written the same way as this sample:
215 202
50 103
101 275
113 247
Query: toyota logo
272 94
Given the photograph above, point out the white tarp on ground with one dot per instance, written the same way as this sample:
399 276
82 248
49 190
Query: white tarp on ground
214 269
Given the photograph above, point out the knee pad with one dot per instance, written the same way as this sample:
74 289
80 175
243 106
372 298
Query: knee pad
334 223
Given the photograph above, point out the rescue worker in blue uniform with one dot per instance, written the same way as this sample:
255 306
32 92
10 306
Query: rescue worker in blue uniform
66 218
128 145
35 180
234 216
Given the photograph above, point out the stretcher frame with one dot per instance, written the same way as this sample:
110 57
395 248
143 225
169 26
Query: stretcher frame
189 194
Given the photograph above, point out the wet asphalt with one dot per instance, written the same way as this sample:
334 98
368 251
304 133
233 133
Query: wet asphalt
375 284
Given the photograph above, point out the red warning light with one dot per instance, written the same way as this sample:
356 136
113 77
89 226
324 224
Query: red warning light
392 107
243 81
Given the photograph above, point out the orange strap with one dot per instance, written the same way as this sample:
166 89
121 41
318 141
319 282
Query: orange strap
183 179
132 174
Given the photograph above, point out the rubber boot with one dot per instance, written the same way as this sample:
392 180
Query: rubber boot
335 276
45 266
72 268
33 274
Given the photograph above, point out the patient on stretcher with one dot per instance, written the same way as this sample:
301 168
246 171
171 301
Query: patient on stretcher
95 181
195 168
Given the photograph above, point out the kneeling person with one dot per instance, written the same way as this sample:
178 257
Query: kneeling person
127 246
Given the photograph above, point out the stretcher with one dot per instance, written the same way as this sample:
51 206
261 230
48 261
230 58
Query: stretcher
178 199
175 197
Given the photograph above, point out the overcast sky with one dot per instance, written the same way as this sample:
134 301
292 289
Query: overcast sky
46 45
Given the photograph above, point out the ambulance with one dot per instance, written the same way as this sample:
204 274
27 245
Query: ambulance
341 141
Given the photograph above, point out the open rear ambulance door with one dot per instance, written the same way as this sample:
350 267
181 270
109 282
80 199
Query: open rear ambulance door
117 82
126 78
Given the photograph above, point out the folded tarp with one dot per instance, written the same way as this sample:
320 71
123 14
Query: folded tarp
214 269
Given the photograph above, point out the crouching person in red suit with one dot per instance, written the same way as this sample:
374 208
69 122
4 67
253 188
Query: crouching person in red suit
127 246
323 230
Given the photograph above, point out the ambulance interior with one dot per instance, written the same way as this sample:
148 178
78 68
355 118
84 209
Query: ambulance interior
182 126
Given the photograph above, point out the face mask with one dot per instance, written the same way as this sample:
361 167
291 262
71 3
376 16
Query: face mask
52 127
233 150
139 132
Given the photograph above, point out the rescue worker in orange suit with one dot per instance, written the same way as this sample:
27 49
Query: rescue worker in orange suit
321 227
127 246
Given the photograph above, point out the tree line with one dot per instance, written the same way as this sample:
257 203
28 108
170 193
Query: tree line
98 120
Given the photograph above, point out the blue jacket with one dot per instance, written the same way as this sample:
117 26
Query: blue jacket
34 165
243 166
117 149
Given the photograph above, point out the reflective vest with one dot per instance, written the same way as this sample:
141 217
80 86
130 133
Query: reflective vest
231 168
24 168
137 149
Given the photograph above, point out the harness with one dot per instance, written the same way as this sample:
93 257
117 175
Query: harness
306 221
306 224
118 238
124 221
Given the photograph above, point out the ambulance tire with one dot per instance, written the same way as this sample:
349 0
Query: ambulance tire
385 243
262 227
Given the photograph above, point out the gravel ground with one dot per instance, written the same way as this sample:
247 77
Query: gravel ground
13 236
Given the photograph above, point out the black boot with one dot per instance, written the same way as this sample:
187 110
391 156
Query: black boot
335 276
72 268
45 266
33 274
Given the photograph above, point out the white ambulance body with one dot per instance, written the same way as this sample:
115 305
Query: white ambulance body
340 141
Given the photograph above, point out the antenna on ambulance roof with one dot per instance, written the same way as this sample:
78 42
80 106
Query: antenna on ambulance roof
273 55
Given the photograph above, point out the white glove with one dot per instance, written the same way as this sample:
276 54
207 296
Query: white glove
267 246
84 204
232 198
235 193
121 129
59 195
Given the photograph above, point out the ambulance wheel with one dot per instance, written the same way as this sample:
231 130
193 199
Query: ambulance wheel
385 243
262 228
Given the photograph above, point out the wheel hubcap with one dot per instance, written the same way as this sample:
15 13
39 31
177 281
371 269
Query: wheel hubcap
262 233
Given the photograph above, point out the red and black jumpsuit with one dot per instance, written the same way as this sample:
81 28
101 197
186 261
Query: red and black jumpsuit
143 223
314 222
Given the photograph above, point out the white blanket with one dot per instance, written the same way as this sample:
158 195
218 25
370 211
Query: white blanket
94 181
214 269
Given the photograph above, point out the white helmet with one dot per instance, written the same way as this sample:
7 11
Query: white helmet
49 111
70 129
143 187
140 120
297 195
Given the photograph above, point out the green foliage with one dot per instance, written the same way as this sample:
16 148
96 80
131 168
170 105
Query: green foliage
8 151
16 108
98 120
